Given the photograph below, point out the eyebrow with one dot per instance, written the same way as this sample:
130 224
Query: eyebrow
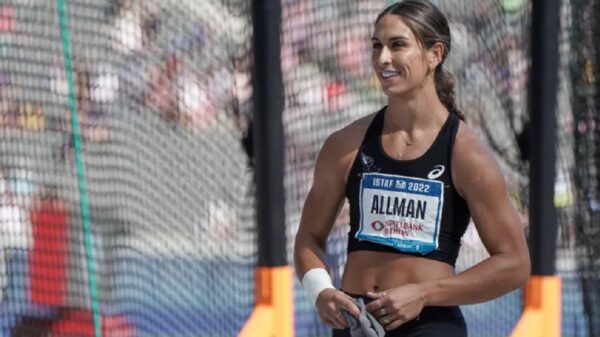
392 39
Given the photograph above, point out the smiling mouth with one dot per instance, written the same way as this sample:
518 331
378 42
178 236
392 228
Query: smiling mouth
389 74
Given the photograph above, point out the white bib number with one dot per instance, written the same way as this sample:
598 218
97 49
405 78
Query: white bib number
401 212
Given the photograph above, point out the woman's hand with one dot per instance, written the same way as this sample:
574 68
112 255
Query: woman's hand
330 304
396 306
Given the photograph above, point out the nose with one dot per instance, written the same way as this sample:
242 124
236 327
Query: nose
385 57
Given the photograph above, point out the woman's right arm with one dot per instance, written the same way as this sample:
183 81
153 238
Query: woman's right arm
318 216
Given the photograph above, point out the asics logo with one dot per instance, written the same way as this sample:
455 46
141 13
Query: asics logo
437 171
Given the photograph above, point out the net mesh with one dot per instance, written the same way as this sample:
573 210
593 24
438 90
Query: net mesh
159 88
585 100
162 93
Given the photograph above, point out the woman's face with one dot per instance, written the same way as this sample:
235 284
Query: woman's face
397 57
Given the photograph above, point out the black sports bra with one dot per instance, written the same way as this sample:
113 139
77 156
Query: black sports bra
406 206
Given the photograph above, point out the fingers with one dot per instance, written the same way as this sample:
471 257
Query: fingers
380 313
376 305
394 310
376 295
336 320
379 301
389 323
351 307
394 319
330 310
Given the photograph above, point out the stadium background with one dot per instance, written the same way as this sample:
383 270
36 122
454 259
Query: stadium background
163 93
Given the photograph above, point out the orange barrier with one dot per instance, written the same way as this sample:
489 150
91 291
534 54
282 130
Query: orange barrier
273 314
542 310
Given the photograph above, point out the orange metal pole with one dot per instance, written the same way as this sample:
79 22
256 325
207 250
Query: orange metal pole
542 310
273 315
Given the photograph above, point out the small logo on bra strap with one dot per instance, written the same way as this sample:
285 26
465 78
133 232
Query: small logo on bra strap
368 163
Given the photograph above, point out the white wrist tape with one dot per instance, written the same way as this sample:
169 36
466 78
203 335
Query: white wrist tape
315 281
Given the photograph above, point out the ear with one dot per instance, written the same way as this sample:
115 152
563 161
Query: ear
435 55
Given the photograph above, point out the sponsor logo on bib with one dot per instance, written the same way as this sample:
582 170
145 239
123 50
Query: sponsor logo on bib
378 225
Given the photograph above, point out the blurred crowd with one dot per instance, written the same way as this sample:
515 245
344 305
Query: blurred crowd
173 71
189 74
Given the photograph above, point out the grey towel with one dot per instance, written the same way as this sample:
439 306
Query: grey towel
366 325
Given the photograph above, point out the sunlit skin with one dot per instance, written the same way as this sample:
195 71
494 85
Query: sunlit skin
413 118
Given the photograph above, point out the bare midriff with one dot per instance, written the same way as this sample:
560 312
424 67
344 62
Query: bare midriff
377 271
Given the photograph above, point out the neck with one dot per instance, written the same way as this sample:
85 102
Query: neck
420 109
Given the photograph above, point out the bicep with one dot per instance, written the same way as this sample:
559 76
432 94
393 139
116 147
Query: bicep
326 194
481 182
496 219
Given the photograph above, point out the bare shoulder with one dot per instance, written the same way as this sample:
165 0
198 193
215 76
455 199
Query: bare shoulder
339 150
468 144
473 163
344 143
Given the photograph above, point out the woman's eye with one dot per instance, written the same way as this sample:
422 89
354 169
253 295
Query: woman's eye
377 45
397 45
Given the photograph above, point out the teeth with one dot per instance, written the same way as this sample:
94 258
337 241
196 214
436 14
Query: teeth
387 73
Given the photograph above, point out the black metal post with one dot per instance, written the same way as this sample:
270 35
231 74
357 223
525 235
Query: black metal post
545 24
268 133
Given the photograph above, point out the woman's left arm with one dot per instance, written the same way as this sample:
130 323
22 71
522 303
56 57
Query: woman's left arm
479 180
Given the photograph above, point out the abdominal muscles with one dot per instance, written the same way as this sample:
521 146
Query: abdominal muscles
378 271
